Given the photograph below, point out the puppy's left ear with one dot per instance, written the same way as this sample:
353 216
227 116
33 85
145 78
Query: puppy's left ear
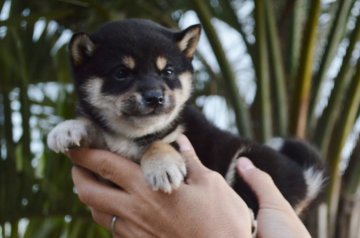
188 39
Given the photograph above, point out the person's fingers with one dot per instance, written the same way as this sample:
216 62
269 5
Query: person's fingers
261 183
97 194
193 164
106 220
102 218
110 166
122 227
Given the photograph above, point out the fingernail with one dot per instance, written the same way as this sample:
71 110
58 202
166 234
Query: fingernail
244 164
184 143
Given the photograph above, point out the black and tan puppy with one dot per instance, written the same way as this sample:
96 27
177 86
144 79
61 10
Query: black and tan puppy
133 79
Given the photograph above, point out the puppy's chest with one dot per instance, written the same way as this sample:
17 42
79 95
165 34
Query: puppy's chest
124 147
134 149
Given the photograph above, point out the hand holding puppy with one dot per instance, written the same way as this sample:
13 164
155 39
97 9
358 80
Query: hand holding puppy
276 218
204 206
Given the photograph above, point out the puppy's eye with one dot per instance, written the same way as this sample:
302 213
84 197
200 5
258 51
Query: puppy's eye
121 73
168 72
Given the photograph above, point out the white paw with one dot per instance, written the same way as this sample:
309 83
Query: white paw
165 173
66 135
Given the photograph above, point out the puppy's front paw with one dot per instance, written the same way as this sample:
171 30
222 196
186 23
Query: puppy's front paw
163 167
66 135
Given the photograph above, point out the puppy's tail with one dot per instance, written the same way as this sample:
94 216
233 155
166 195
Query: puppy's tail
307 157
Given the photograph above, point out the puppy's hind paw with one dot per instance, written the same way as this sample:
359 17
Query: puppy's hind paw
66 135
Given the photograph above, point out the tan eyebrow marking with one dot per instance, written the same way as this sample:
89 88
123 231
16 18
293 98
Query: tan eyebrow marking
129 62
161 63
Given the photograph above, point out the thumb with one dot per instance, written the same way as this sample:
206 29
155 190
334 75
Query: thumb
193 164
261 183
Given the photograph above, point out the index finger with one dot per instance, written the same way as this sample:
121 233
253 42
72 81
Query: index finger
195 169
122 172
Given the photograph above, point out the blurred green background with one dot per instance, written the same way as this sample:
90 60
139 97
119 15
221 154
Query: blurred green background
268 67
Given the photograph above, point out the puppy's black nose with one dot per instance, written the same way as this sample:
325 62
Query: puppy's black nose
153 98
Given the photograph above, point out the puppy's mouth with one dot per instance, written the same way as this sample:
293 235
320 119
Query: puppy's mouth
139 111
143 107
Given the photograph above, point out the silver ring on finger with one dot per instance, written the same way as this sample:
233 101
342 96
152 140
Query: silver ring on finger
113 222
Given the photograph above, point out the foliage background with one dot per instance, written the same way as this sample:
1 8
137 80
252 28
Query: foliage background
274 68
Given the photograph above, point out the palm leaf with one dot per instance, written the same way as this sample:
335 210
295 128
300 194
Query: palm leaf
303 83
342 131
262 73
277 64
330 115
334 38
240 109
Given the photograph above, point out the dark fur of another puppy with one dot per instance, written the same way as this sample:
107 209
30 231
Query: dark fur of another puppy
133 79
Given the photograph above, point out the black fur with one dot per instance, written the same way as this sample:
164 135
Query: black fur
216 148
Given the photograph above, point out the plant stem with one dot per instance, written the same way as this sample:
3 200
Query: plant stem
337 31
328 118
240 109
301 100
295 36
349 115
276 60
234 20
262 73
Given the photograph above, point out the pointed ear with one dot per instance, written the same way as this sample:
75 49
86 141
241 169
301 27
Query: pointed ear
81 48
188 39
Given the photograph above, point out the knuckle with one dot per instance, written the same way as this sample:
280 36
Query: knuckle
265 176
101 219
266 179
215 175
106 169
256 172
189 156
85 195
95 216
212 175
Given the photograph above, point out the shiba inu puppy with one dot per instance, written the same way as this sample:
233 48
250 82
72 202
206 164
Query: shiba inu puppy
133 79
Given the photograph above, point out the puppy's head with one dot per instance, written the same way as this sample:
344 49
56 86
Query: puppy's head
133 76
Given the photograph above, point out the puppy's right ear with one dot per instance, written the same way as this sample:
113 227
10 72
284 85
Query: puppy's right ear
81 48
188 39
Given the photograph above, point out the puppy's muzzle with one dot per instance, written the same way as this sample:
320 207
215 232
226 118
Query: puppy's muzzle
153 98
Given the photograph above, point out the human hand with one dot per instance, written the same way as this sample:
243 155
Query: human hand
276 218
204 206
